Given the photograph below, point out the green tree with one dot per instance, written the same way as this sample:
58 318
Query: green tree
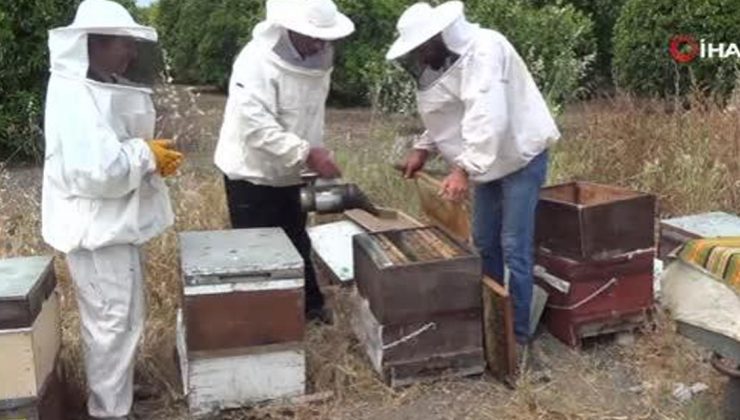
604 14
202 38
24 64
556 41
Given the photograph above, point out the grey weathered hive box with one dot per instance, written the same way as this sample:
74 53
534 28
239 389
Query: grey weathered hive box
29 339
241 288
25 283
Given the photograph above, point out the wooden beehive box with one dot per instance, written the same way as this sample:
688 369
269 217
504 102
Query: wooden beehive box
677 231
233 378
241 288
402 354
29 339
591 298
587 221
409 275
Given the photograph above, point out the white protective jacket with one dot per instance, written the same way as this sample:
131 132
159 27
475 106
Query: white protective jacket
485 113
100 183
274 114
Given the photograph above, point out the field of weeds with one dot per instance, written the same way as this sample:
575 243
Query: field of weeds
690 159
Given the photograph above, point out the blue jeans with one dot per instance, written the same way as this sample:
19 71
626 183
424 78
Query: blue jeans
503 233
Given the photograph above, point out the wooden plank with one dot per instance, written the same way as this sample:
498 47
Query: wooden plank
387 220
498 330
28 354
453 218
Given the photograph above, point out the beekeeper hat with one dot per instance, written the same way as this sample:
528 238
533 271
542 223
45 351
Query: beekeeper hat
315 18
421 22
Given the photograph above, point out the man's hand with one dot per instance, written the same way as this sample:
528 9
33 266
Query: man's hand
455 185
414 162
321 161
168 160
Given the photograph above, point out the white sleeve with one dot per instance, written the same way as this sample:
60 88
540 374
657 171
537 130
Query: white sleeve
255 94
424 142
95 162
485 122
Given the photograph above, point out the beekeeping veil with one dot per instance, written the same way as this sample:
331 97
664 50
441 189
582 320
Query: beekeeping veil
106 45
420 23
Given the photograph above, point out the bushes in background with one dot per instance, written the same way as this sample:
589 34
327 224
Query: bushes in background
24 63
202 38
604 14
556 41
642 63
24 70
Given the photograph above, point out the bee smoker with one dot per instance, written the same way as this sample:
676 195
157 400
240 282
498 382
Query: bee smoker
330 196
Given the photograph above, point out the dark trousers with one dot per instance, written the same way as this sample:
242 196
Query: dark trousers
257 206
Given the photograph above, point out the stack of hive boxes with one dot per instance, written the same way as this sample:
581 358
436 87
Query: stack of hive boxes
29 340
596 247
418 311
240 332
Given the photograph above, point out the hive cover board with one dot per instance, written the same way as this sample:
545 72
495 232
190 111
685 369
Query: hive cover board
332 244
240 255
25 283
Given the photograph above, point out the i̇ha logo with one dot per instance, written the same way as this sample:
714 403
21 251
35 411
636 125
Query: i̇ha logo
685 49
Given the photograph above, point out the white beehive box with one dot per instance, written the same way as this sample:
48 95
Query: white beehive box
29 327
234 378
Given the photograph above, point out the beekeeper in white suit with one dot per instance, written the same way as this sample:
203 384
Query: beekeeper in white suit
484 114
273 124
103 193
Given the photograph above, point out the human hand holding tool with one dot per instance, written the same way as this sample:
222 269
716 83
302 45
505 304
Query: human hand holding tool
168 160
414 162
321 160
455 185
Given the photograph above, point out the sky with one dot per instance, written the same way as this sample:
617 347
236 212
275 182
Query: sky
144 2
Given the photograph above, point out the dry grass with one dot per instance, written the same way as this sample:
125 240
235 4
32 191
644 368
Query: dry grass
690 160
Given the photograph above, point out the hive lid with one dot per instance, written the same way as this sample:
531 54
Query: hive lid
213 257
25 283
707 225
332 242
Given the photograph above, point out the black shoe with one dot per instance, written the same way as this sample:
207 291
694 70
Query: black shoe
322 316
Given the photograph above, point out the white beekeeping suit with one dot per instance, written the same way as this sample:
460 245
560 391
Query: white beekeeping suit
275 110
484 112
102 194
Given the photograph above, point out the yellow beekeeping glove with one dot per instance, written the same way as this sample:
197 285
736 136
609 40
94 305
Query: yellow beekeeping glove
168 160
